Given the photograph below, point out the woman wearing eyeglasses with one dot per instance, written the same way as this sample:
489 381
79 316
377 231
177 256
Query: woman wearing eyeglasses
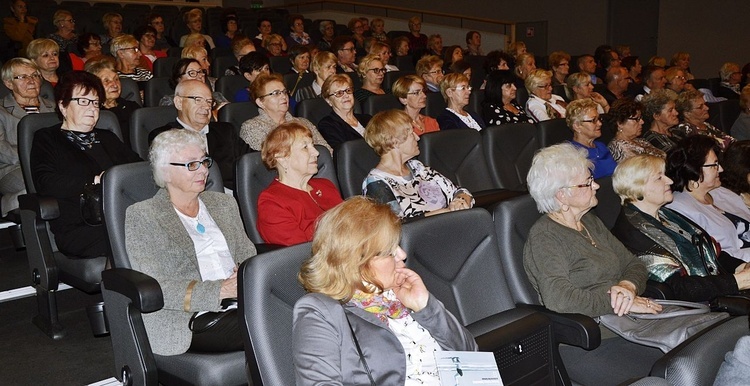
456 92
191 241
698 195
372 71
411 92
542 104
576 265
289 208
121 107
271 96
65 35
128 53
72 154
627 115
430 68
584 120
341 124
693 114
579 87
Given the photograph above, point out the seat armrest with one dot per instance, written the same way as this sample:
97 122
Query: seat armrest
500 329
574 329
494 322
656 290
46 208
143 290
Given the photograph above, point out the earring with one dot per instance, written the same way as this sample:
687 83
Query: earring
564 207
639 198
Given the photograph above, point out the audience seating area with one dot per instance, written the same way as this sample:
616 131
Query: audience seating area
471 260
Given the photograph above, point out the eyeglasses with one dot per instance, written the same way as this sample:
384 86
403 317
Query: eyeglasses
86 102
195 165
340 93
200 100
680 77
352 49
634 118
598 118
135 49
276 93
462 88
28 77
420 91
194 73
378 70
548 85
714 165
435 72
70 20
588 184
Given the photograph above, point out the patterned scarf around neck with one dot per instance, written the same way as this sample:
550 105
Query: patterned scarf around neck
384 305
82 140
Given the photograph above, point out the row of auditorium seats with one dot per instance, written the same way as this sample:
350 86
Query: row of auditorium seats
467 260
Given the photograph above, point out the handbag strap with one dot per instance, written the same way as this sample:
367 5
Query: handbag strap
692 308
359 350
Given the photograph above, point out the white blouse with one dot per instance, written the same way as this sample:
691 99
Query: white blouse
214 259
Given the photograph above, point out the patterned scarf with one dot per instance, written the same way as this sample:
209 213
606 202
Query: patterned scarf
82 140
384 305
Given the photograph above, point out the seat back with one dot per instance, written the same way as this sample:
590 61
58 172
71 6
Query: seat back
280 64
458 155
268 289
228 86
509 150
435 104
163 66
130 90
253 178
404 63
457 257
313 109
143 121
723 114
552 131
294 82
609 205
220 64
522 95
391 77
476 99
513 220
126 184
156 88
237 113
29 125
354 160
377 103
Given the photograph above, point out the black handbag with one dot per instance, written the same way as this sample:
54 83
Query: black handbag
91 204
204 321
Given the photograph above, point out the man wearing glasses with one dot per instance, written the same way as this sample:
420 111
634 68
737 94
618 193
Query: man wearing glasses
343 47
21 76
194 102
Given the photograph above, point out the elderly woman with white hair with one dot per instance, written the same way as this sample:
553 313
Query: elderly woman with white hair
199 241
577 266
730 81
543 105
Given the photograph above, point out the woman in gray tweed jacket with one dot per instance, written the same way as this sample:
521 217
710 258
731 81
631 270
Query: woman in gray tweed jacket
191 242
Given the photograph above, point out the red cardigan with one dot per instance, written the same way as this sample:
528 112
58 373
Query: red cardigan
286 216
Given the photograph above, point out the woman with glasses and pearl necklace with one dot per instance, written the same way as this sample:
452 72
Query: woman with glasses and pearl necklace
191 241
272 97
576 265
72 154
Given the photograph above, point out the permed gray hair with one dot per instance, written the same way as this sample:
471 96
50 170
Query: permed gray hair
552 169
168 143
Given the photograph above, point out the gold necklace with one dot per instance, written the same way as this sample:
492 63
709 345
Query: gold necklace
587 235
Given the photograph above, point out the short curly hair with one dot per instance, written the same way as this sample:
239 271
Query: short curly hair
622 109
388 129
278 142
654 102
168 143
577 109
631 175
684 102
554 168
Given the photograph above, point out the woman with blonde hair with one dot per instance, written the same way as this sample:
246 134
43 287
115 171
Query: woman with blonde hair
456 92
372 71
128 53
65 35
45 53
584 120
410 91
579 87
543 104
273 43
323 66
341 124
681 60
194 21
361 297
410 188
